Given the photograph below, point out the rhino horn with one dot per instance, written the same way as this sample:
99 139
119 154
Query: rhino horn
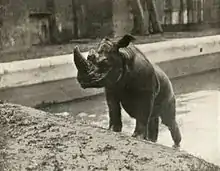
81 63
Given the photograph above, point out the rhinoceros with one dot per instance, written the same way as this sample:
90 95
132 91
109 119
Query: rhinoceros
131 82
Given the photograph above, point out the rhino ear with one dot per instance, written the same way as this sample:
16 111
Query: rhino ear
125 40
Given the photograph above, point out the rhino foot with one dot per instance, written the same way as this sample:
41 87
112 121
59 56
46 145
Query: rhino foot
115 128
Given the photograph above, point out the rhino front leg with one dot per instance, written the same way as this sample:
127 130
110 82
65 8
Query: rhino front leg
140 131
144 109
114 107
153 129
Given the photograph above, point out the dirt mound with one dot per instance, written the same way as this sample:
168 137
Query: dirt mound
34 140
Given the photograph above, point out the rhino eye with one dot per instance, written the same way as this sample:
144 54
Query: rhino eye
103 63
91 58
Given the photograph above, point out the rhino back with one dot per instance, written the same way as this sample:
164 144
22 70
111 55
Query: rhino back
140 72
144 75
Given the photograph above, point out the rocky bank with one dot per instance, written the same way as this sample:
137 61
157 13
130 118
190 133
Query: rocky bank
35 140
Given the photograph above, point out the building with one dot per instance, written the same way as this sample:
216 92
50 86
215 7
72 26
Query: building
27 22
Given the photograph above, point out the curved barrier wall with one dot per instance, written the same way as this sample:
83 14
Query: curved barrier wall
53 79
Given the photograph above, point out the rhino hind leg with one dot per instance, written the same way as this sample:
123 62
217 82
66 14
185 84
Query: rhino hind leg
153 129
168 117
175 133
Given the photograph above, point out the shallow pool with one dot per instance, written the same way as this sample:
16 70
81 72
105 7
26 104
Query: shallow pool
198 114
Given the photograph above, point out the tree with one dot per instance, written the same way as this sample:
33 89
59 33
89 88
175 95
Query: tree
75 18
189 5
153 16
199 13
139 19
168 9
79 8
50 5
1 21
140 25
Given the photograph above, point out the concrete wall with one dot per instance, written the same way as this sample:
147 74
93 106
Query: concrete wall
53 79
15 29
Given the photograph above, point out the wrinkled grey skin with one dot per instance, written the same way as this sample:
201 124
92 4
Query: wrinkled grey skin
131 81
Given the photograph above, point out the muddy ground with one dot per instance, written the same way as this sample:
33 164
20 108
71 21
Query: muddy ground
33 52
34 140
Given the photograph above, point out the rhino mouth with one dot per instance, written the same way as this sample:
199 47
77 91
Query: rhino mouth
88 74
93 79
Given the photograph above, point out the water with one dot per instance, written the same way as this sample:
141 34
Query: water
198 114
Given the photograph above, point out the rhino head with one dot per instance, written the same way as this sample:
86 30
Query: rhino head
104 66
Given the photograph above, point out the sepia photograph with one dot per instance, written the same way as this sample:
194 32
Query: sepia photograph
109 85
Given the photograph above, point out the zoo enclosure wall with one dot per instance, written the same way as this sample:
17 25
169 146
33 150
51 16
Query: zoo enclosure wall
53 79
